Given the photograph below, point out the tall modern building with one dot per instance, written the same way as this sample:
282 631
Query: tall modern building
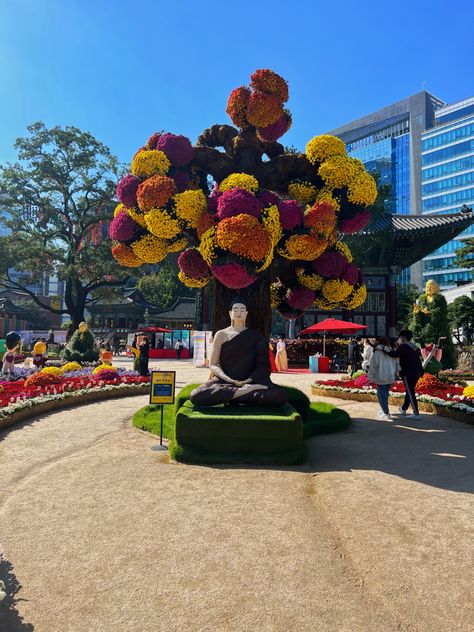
448 183
388 141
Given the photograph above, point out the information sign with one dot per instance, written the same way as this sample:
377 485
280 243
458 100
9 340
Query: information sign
162 387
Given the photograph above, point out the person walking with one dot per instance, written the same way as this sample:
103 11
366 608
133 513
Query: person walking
178 347
367 354
281 359
354 354
382 372
143 358
411 370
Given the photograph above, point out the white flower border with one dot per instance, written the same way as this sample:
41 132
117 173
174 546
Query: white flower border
422 398
34 401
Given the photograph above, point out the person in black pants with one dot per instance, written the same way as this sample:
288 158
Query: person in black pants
411 370
143 358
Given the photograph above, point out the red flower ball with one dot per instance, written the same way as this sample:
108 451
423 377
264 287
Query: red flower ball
300 298
356 223
277 129
233 275
127 190
330 264
178 149
270 82
192 264
123 227
291 214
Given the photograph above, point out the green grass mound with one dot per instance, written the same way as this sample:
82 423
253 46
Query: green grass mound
317 417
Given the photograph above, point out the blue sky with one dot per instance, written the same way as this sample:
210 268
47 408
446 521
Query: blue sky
123 70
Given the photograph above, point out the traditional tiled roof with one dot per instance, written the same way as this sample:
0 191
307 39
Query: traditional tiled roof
409 238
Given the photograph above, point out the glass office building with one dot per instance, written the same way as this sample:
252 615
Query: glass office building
389 142
448 183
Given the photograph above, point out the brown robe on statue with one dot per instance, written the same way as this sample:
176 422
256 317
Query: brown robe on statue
244 356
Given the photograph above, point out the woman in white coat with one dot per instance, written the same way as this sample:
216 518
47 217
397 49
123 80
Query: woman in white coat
382 372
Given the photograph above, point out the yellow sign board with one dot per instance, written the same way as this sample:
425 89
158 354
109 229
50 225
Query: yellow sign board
162 387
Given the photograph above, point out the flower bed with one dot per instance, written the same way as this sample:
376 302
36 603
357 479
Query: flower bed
433 395
32 392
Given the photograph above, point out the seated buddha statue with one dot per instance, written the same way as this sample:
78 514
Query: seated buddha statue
240 367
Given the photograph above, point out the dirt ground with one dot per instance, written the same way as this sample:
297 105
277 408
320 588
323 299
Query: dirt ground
100 532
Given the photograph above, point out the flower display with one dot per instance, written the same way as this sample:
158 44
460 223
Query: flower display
331 264
302 247
236 201
208 245
356 223
469 392
196 282
118 208
266 80
321 218
105 367
127 190
310 280
243 235
189 206
277 129
362 189
178 149
268 198
300 298
304 192
126 256
192 264
356 298
237 105
271 223
291 214
337 171
106 374
155 192
123 227
336 290
150 249
71 366
51 370
241 180
322 147
204 222
161 224
326 195
138 216
233 275
150 163
43 379
177 244
263 109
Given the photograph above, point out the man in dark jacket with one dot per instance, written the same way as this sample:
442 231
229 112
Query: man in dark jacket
354 354
411 370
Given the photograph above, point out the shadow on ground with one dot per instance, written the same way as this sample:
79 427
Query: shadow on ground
10 619
432 451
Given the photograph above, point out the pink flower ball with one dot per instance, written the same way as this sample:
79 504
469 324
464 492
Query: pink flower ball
268 198
178 149
300 298
277 129
233 275
356 223
236 201
123 227
351 273
291 214
330 264
127 190
192 264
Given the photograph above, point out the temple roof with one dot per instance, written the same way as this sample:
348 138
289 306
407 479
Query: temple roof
184 307
409 238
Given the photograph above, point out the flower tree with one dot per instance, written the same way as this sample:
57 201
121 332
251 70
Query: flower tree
245 214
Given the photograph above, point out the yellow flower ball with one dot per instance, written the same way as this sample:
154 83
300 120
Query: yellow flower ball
52 370
208 245
242 180
138 216
469 392
103 367
118 208
304 192
150 162
150 249
322 302
160 223
357 298
190 205
71 366
192 282
336 290
325 146
311 281
362 190
343 248
303 247
337 171
271 222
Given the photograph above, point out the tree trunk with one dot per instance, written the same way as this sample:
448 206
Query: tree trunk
257 297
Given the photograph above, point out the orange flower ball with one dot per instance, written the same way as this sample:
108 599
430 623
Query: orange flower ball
321 218
125 256
263 109
237 105
268 81
245 236
205 222
155 192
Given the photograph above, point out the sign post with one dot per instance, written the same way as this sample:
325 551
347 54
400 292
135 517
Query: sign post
162 391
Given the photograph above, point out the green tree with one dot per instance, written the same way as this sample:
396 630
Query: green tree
162 287
461 319
35 316
406 297
55 203
465 255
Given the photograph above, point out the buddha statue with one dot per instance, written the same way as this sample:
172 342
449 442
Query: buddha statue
240 367
431 290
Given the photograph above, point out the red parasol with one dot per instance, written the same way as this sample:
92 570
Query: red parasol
332 326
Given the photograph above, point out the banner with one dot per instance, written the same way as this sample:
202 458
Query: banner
199 357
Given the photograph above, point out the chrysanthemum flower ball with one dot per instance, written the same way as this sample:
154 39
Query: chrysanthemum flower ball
300 298
233 275
125 256
273 132
178 149
237 105
151 142
123 227
330 264
263 109
268 198
237 201
127 190
351 273
190 262
268 81
291 214
155 192
150 162
181 180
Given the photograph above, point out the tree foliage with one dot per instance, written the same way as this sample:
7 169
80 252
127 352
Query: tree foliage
465 255
54 203
406 297
461 319
162 287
